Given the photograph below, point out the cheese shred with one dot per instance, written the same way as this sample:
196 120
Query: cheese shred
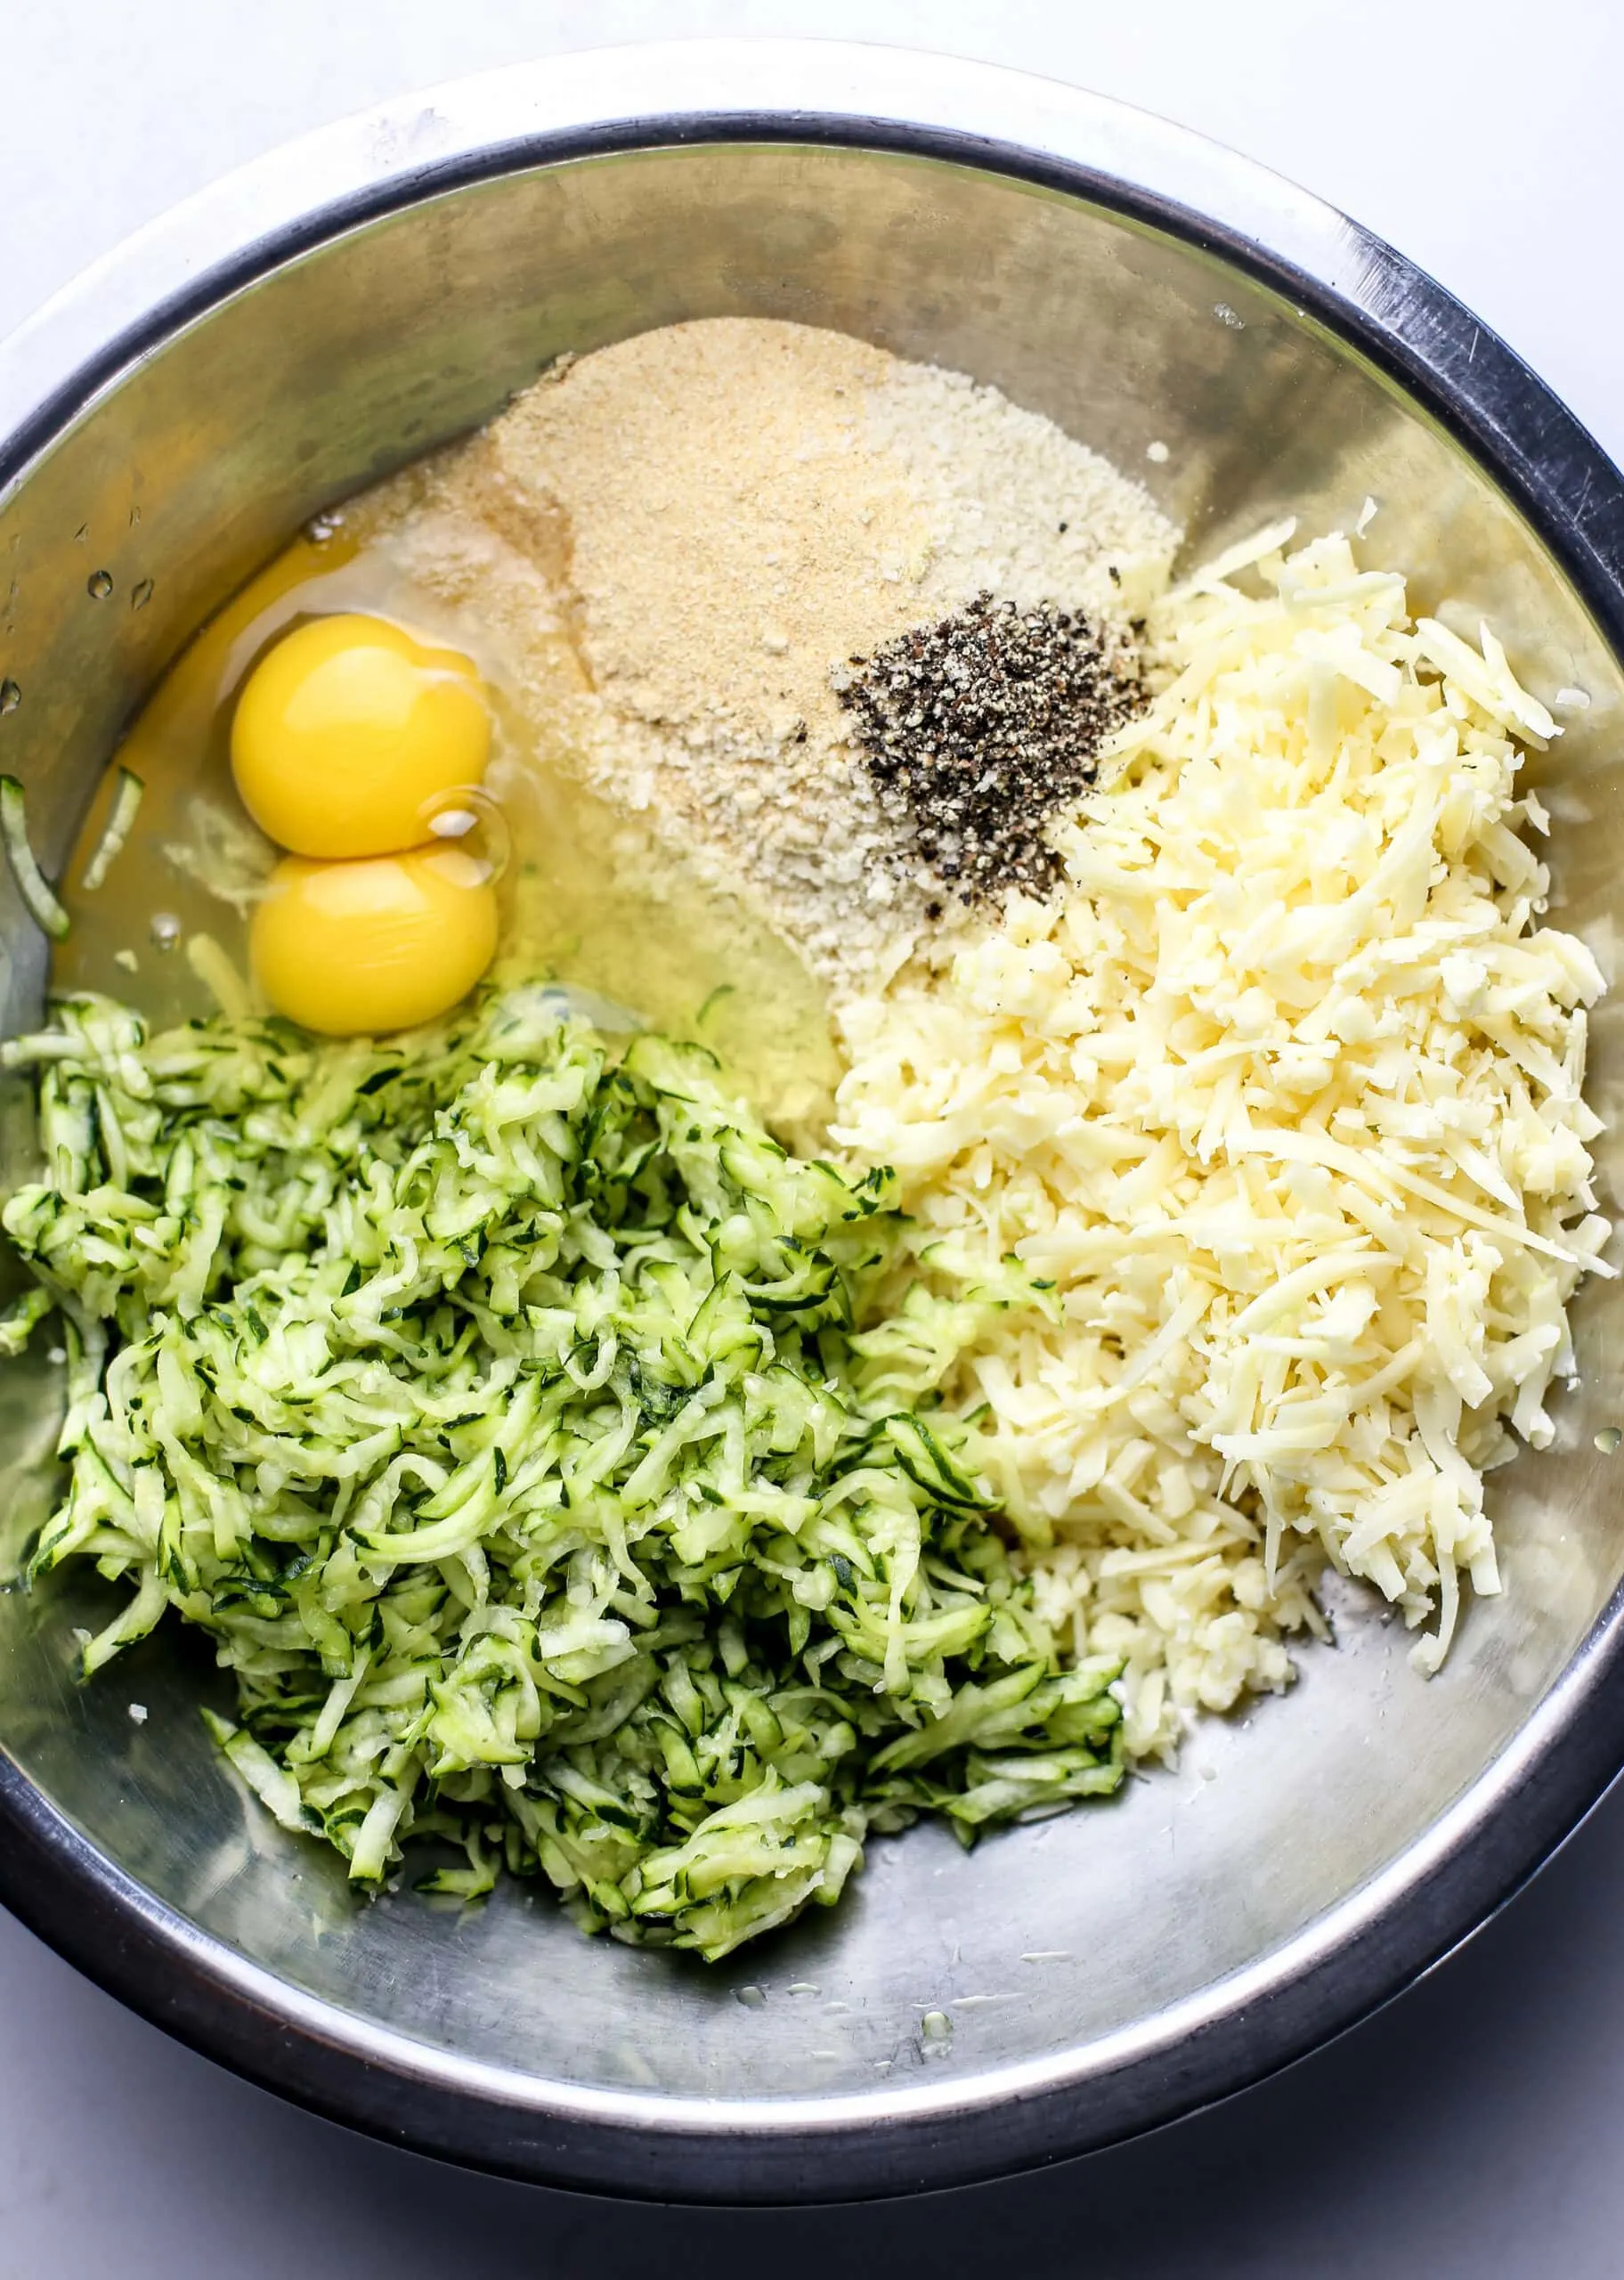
1281 1095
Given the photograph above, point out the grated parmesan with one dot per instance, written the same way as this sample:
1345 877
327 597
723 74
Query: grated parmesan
1282 1094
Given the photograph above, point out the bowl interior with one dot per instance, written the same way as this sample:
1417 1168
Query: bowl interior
335 367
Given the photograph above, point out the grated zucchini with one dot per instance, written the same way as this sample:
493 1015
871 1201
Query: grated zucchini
497 1401
32 885
121 822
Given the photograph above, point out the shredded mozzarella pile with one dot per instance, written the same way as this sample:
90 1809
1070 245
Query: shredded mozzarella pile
1281 1094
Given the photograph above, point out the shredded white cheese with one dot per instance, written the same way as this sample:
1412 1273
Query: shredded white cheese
1283 1094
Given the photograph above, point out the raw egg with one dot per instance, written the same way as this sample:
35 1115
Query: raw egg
352 948
349 731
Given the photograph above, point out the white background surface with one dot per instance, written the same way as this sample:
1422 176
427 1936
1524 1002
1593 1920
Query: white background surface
1477 2127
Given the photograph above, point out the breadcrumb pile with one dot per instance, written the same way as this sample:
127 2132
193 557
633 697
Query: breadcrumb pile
681 543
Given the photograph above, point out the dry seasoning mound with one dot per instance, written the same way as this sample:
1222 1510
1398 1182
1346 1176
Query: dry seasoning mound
981 729
680 539
1279 1102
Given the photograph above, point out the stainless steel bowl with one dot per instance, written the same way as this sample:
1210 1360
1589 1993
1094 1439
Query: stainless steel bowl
335 310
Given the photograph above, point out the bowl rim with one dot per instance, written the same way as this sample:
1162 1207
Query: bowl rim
1379 1938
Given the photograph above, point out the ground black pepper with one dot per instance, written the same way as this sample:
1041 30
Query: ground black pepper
980 728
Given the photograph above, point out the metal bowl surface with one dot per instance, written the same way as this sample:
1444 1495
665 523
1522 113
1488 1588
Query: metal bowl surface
334 311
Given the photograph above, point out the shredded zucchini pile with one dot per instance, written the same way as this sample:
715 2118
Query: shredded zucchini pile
494 1400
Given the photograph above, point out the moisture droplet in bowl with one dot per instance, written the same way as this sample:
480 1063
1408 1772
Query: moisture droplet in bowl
99 586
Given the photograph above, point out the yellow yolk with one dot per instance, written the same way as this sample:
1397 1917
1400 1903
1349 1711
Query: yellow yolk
348 731
355 949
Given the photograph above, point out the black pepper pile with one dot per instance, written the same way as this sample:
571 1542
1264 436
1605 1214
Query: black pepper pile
980 730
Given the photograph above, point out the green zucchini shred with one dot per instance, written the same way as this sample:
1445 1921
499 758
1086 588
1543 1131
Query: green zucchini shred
513 1413
38 896
128 793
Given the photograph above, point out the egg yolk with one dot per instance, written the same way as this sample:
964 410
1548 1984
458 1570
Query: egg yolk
354 948
349 731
